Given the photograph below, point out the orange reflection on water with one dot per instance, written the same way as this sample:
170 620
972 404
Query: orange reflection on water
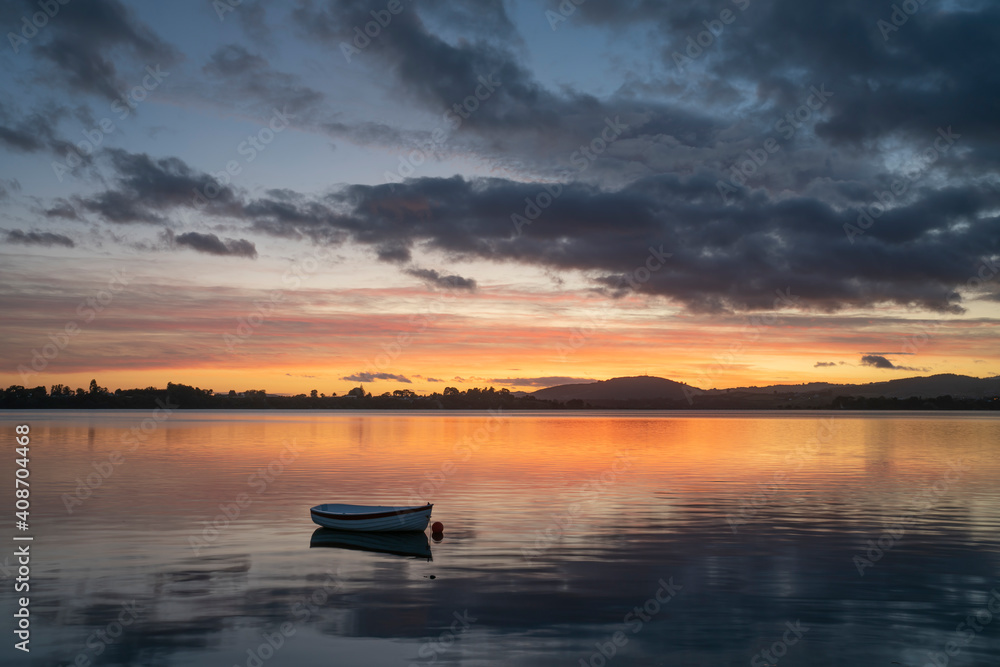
476 462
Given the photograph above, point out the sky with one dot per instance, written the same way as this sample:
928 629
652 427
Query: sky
418 194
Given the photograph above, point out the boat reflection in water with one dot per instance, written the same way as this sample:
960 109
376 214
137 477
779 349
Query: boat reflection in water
410 543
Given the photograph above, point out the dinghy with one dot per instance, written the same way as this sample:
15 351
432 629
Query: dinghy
372 518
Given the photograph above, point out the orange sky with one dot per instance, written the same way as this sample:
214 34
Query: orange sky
208 331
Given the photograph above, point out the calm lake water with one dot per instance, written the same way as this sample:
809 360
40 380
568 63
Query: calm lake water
584 538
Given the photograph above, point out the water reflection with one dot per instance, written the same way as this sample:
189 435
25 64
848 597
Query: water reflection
410 543
554 551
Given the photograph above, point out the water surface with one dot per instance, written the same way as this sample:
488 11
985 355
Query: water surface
657 538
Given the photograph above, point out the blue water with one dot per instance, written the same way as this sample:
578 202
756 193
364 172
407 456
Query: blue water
584 538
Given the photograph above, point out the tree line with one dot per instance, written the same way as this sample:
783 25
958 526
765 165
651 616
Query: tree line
187 397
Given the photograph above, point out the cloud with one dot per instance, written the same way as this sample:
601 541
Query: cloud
549 381
876 361
770 34
233 60
372 377
213 245
82 45
31 132
657 186
61 209
661 180
520 115
235 72
38 238
9 185
253 19
824 364
449 282
147 189
879 361
393 252
792 245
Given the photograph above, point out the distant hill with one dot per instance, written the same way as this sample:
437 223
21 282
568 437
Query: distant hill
934 385
924 387
648 391
642 387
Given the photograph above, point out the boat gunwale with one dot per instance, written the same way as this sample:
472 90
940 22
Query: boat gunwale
358 516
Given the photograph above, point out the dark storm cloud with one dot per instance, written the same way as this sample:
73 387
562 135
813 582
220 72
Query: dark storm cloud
433 69
939 68
213 245
372 377
514 110
436 279
887 95
763 254
722 257
655 193
937 71
83 41
38 238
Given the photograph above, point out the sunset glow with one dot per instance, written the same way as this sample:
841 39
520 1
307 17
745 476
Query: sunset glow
444 208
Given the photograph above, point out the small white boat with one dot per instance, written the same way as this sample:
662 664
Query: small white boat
372 518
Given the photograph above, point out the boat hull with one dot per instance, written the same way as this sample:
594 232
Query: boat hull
371 519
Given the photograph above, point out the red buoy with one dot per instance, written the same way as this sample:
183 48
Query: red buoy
437 527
